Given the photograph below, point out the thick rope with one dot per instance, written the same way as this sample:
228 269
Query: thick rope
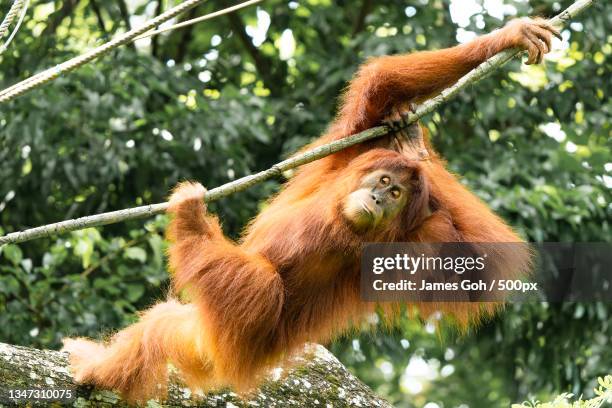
25 84
72 64
4 46
315 154
13 11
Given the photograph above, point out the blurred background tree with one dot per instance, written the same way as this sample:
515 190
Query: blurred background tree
224 98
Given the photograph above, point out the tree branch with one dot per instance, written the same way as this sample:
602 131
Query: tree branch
98 13
185 37
366 7
57 17
315 154
263 64
125 16
317 375
155 40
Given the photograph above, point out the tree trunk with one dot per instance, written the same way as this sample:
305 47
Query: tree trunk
317 379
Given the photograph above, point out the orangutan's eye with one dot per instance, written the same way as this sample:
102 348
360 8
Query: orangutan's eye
396 193
385 180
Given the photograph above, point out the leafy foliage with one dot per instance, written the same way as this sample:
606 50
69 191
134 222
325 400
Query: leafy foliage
210 104
603 395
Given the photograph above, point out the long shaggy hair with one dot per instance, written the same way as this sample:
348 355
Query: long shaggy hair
294 275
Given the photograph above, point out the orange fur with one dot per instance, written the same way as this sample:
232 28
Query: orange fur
135 360
294 276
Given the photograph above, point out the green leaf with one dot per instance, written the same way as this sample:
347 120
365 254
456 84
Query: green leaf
13 253
136 254
84 248
134 292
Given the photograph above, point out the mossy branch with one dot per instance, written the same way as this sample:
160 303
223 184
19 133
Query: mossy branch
315 376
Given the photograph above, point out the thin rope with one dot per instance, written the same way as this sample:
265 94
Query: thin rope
13 11
298 160
45 77
74 63
199 19
8 41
